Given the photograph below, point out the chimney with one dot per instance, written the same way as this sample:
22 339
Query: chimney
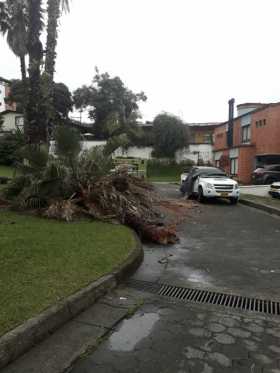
230 122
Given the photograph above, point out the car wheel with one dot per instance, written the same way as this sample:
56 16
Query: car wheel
200 196
233 201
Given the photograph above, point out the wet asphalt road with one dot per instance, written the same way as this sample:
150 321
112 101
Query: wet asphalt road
230 248
222 247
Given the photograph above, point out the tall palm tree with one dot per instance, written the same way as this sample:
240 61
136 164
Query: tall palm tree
13 25
55 7
35 109
54 10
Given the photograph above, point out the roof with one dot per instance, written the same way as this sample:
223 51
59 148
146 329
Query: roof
265 106
251 104
10 112
4 80
207 124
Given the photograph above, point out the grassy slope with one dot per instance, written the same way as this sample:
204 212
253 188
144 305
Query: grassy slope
42 261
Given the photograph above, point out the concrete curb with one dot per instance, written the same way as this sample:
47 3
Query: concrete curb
21 339
260 206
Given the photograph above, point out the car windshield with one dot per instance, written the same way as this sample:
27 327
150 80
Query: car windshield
212 175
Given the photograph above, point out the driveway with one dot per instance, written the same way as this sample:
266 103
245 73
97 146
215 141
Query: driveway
233 248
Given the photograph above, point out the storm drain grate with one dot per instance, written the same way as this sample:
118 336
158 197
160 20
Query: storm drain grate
209 297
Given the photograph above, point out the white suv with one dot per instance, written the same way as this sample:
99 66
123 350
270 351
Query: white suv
210 182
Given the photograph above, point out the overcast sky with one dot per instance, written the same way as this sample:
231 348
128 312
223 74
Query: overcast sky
188 56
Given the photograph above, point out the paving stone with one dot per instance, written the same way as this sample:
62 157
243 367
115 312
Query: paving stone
220 359
197 323
236 332
275 349
201 316
199 332
246 366
194 353
254 328
224 339
263 359
250 345
275 332
207 369
209 345
227 321
216 328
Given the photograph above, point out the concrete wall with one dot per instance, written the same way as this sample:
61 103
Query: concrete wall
191 152
133 151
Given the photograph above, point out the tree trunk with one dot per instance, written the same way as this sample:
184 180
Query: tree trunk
53 17
35 108
25 95
23 69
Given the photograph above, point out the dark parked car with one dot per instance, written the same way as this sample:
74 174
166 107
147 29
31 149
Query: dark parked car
267 174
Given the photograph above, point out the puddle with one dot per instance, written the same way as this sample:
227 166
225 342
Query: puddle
132 332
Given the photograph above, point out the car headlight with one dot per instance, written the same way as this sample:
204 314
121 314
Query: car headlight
236 186
209 186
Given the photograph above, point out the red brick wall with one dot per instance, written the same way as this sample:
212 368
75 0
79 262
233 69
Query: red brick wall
267 137
246 164
220 137
237 132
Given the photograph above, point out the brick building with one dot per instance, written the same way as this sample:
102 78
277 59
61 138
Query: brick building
251 139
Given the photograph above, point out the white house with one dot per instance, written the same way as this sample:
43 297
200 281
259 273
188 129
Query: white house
12 121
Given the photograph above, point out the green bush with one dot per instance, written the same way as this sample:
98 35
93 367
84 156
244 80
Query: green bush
10 145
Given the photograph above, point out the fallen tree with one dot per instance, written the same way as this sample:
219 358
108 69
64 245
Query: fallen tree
74 186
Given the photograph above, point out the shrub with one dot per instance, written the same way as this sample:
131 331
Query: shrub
10 145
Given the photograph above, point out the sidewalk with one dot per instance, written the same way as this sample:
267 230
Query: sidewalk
84 332
267 204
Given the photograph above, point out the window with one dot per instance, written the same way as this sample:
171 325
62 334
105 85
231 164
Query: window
234 166
264 122
19 122
246 134
207 138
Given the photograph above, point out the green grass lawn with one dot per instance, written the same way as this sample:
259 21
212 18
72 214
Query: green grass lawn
42 261
169 173
6 171
274 202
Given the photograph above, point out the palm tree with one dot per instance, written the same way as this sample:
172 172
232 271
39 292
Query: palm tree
54 9
13 25
35 109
